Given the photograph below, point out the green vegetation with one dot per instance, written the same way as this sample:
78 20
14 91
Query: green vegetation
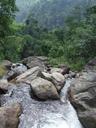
74 44
2 71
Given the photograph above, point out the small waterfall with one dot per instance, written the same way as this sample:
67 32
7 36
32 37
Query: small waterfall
72 118
37 114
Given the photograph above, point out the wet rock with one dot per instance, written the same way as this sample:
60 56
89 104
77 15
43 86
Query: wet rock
29 75
16 69
9 116
83 91
34 61
44 89
3 86
70 75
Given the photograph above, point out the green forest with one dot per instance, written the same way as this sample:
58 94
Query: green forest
68 38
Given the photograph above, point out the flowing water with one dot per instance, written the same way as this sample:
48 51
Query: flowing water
46 114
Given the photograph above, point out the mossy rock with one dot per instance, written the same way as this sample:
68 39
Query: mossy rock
3 71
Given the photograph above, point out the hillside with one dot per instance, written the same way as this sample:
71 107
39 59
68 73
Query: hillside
24 7
50 13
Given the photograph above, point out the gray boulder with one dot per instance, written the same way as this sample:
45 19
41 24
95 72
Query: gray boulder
83 92
44 89
34 61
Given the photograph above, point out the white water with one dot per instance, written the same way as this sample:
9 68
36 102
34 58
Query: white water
69 118
36 114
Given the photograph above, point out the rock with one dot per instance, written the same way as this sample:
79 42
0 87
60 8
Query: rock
45 75
72 74
34 61
77 75
91 65
67 76
3 86
88 118
56 70
29 75
83 91
16 69
44 89
56 78
7 64
89 76
9 116
65 69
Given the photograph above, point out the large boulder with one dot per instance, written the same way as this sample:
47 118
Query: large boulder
29 75
56 78
9 116
44 89
34 61
83 91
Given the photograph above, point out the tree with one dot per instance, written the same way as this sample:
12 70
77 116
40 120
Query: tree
7 11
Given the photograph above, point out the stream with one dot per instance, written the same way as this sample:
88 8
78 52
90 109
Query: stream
42 114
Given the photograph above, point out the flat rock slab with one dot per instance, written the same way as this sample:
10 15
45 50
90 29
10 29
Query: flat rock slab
29 75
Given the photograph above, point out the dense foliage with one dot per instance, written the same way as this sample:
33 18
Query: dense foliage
53 13
24 8
7 10
75 43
